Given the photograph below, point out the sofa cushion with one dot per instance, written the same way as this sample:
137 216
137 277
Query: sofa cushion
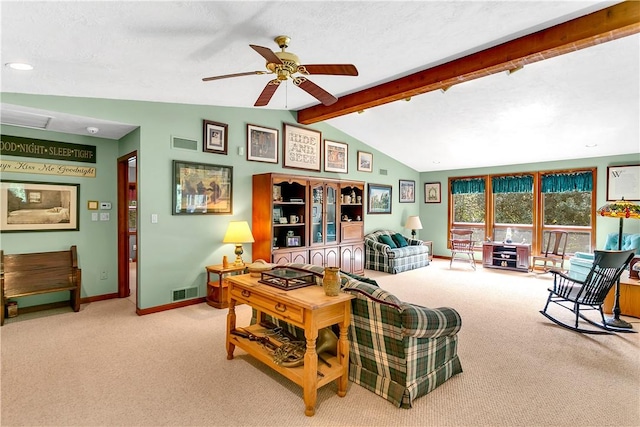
400 241
387 240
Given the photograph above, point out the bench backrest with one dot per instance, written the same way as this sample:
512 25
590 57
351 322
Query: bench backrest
38 271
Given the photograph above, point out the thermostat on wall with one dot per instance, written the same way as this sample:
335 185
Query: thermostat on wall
105 205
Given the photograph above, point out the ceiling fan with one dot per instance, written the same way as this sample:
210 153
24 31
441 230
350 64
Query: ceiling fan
286 65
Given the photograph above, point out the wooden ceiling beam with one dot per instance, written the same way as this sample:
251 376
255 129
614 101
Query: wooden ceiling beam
605 25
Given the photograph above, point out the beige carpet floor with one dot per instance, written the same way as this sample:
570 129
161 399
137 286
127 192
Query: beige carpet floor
106 366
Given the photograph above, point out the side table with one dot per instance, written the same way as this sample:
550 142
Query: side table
217 289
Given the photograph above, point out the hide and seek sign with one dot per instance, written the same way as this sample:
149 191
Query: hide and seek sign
40 148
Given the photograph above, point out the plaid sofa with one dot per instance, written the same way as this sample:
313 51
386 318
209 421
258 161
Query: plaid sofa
381 257
399 351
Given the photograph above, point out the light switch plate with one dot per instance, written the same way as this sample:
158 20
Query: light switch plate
105 205
104 216
94 216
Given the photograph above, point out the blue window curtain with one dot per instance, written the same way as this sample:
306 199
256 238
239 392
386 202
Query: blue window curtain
512 184
563 182
467 186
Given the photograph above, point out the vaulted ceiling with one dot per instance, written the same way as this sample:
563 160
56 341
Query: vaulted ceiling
433 89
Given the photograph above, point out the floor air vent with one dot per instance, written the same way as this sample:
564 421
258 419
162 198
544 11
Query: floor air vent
186 293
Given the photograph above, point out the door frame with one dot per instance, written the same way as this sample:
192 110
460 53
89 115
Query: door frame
124 287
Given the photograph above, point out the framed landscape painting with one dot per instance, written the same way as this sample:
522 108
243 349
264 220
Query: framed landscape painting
39 206
379 199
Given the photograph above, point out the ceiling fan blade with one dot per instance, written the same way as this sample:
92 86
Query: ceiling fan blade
314 90
266 54
330 69
226 76
267 93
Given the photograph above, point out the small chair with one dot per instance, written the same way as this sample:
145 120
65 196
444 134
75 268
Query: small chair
572 293
554 252
462 246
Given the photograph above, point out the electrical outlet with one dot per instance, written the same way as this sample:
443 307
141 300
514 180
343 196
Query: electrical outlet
104 275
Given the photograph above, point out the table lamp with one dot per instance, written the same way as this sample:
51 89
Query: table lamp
238 232
619 209
413 223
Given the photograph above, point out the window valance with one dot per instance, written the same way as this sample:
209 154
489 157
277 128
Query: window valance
467 186
512 184
563 182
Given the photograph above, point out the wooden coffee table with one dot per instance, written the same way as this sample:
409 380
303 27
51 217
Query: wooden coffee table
308 308
629 297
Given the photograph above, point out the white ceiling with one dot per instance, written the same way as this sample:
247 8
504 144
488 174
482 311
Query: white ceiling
160 51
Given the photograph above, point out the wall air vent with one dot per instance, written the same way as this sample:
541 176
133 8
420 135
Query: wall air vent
383 171
24 119
184 143
185 293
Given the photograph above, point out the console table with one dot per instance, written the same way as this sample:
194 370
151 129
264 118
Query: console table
308 308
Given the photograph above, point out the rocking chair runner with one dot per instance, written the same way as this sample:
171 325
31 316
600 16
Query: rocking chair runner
573 293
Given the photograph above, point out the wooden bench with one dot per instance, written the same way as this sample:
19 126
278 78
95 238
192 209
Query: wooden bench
39 273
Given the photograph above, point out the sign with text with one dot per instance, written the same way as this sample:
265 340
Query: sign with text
40 148
47 168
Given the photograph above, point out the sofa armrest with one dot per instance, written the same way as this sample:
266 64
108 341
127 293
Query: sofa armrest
423 322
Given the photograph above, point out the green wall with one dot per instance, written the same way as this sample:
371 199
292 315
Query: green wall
173 252
435 216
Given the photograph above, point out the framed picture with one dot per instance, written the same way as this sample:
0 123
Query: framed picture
200 188
336 156
293 241
432 192
302 148
365 161
214 138
262 144
623 181
380 201
407 191
92 205
39 206
277 214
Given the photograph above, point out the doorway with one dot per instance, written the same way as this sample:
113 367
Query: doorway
128 247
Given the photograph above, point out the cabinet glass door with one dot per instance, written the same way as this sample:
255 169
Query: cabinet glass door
331 191
317 217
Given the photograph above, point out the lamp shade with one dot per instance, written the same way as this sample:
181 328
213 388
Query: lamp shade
413 223
620 209
238 232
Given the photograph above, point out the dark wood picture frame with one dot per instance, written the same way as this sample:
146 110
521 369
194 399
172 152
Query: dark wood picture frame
214 137
406 191
301 148
336 156
623 181
365 161
200 188
432 192
379 200
39 206
262 144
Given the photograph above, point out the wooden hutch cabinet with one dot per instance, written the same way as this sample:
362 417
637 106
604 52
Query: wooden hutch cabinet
308 220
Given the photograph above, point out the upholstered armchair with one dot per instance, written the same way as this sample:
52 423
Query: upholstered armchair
581 262
400 351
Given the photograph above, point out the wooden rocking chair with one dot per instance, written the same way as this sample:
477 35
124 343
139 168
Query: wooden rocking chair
571 293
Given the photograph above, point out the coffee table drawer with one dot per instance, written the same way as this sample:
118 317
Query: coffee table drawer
268 305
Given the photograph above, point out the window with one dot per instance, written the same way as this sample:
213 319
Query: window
469 206
567 205
530 204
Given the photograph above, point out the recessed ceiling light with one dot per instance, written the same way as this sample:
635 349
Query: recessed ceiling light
591 145
19 66
436 162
